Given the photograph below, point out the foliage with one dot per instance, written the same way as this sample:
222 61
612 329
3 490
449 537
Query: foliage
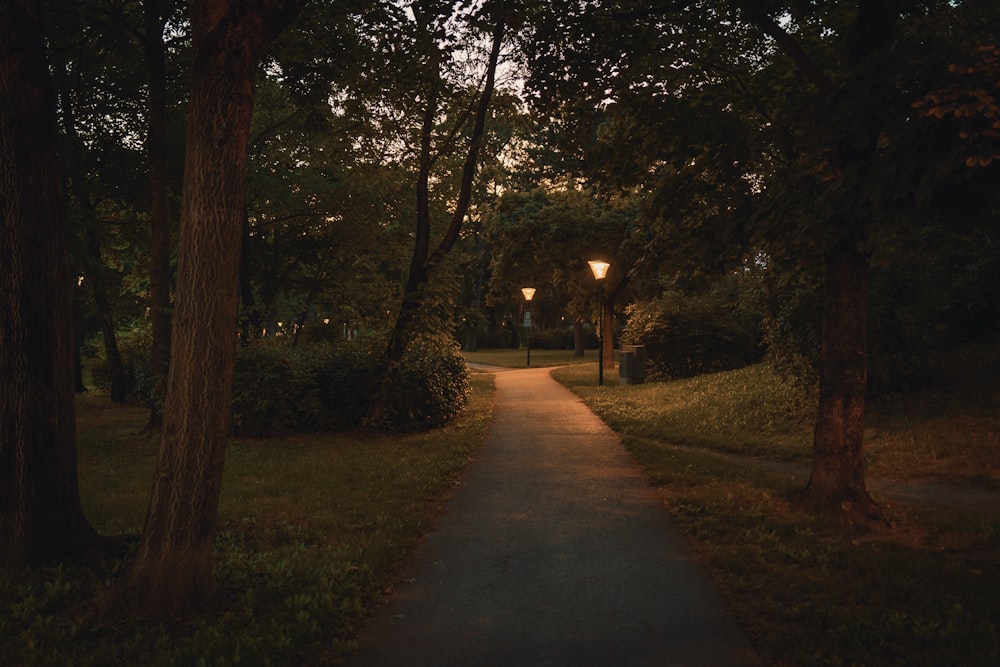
557 339
690 334
545 236
791 307
313 531
133 346
331 386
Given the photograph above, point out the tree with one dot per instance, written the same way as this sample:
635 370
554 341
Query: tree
40 513
821 163
172 569
90 51
431 24
547 237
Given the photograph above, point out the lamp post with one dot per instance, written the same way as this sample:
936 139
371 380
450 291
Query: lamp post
600 269
529 294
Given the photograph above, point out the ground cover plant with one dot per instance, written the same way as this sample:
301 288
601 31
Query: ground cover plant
313 530
810 592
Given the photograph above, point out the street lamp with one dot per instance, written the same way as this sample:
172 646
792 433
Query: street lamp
600 269
529 294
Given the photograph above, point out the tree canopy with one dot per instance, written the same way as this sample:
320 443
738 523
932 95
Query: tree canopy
393 168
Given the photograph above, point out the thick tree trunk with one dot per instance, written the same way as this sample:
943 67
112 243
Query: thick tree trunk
40 513
159 273
837 483
173 566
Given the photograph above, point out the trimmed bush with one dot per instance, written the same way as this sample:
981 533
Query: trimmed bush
324 386
332 386
434 388
274 390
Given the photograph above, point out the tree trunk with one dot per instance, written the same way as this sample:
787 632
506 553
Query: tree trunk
95 274
578 338
172 570
837 483
93 262
40 513
78 341
471 343
159 209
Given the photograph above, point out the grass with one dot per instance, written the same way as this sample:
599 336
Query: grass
314 528
313 531
514 358
809 592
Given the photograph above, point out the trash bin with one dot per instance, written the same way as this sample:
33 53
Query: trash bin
626 367
639 357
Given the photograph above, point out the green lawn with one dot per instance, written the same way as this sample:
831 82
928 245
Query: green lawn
807 590
518 358
314 528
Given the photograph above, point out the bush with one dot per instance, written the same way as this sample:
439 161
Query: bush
502 338
332 386
791 326
687 335
434 388
274 388
553 339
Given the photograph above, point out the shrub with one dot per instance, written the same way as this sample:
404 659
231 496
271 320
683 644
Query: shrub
686 335
791 326
434 388
503 337
553 339
273 389
332 386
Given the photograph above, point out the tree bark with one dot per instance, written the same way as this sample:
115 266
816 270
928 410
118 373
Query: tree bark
41 517
159 209
837 483
578 339
172 570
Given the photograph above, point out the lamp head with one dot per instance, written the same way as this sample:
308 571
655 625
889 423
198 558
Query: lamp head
599 268
528 292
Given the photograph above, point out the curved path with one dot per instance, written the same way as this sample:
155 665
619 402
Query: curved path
554 551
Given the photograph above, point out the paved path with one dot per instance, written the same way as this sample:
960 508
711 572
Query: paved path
555 551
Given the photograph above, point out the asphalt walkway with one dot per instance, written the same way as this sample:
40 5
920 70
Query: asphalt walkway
554 551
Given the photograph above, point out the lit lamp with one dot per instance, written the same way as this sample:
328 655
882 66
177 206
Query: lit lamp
529 294
600 270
